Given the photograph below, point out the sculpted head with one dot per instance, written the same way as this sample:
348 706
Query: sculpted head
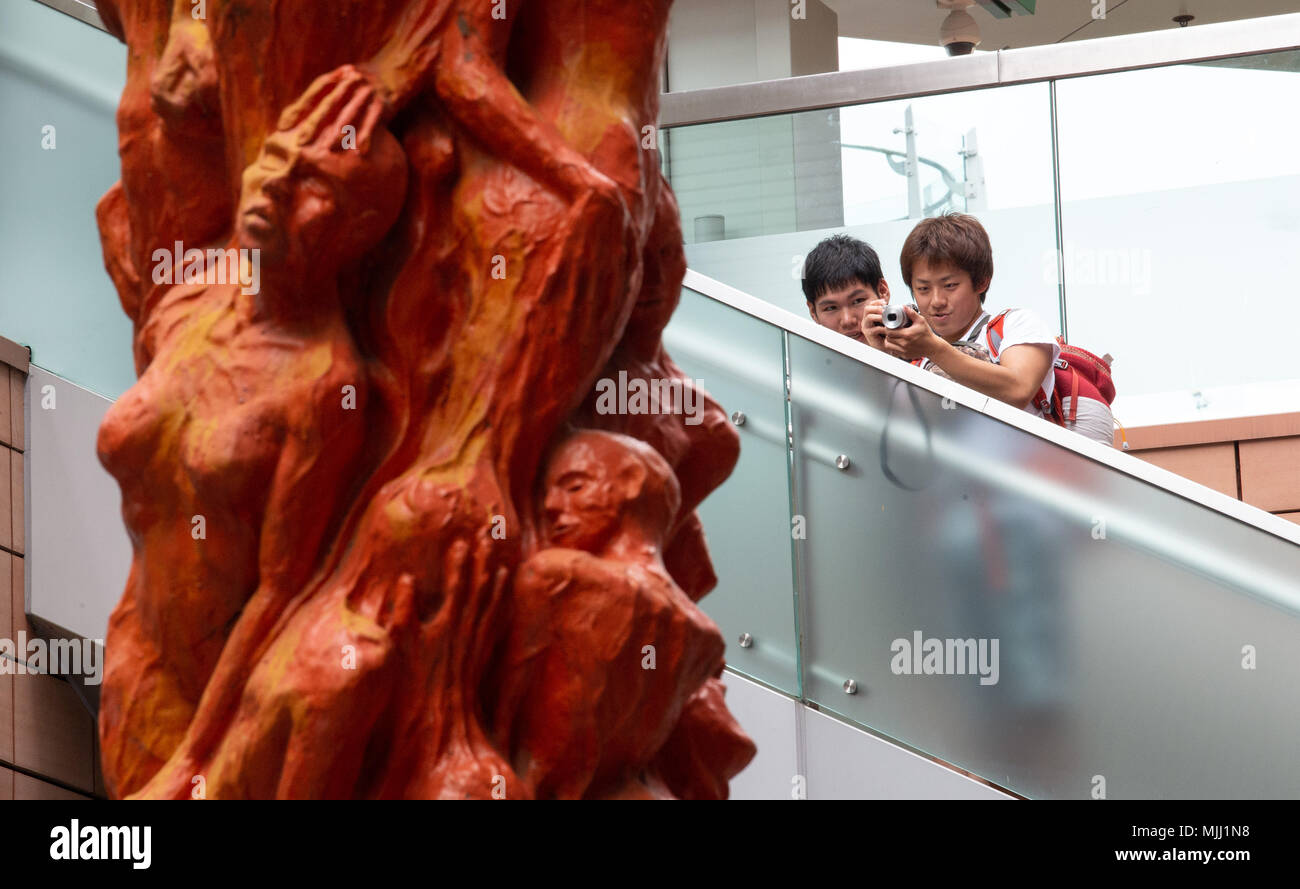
314 207
599 484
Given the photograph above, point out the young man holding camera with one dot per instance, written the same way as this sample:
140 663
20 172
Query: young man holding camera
947 263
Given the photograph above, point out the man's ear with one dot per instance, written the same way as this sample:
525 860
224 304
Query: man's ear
812 311
631 478
883 290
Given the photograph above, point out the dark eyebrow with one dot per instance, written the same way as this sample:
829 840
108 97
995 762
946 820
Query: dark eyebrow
849 295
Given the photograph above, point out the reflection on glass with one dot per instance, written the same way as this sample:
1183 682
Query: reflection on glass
756 195
1180 191
987 149
929 167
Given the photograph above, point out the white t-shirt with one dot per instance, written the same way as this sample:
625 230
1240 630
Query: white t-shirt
1020 327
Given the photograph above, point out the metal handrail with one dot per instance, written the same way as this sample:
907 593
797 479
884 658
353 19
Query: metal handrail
82 10
1081 58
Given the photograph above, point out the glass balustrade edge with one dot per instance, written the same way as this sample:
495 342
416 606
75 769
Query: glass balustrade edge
796 509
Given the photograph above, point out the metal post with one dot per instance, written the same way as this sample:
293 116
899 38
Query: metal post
1056 206
913 177
973 172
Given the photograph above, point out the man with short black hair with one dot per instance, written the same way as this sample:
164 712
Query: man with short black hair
840 277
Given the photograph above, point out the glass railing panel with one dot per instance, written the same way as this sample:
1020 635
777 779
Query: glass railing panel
739 361
1180 190
757 194
1146 645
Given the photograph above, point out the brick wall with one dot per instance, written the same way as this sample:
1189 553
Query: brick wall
48 743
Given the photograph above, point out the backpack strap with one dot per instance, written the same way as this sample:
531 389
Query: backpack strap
973 339
993 335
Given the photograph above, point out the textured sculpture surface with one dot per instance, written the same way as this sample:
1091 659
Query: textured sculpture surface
386 541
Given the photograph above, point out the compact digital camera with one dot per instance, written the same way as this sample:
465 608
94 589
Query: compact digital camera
895 317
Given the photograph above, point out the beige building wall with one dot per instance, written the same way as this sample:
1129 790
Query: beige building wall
48 743
1255 459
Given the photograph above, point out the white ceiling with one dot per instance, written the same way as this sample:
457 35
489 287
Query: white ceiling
917 21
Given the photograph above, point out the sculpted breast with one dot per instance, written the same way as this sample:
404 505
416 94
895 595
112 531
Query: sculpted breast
128 434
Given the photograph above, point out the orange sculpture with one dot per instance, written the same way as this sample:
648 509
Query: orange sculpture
387 542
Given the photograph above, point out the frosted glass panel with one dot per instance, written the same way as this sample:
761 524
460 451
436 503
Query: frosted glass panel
1121 613
747 520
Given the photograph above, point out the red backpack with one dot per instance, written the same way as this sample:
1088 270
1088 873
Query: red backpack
1079 373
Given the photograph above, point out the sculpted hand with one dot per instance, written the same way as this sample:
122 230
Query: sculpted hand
344 97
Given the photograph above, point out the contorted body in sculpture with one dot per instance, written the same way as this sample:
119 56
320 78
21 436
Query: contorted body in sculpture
345 487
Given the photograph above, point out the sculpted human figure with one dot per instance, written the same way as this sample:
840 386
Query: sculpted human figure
173 186
171 189
336 632
491 374
605 649
258 401
616 128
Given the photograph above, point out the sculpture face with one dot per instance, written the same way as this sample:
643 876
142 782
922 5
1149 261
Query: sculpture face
327 185
583 506
287 202
312 209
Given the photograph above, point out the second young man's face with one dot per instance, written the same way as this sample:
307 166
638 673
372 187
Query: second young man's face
947 298
841 310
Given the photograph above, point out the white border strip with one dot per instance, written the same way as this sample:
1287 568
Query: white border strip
1108 456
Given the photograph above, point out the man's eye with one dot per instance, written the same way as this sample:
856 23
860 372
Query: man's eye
952 286
860 300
